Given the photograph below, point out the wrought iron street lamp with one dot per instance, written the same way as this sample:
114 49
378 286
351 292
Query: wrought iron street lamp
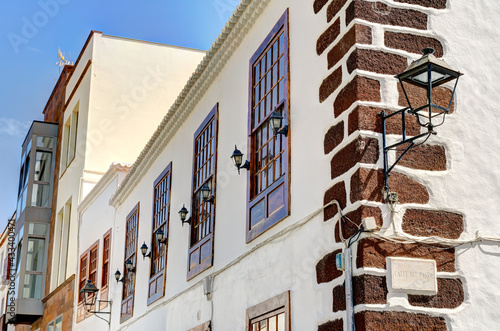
426 73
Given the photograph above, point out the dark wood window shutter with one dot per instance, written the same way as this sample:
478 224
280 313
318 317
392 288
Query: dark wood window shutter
269 174
203 213
161 212
127 305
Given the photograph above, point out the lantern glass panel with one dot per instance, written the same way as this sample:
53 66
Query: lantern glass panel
435 77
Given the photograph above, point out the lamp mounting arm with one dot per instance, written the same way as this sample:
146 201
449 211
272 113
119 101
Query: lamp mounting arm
409 141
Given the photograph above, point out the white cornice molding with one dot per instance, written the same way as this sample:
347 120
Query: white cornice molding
217 56
102 184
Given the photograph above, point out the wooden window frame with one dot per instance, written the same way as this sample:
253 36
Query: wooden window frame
160 251
82 312
261 201
207 326
271 307
104 291
196 249
130 299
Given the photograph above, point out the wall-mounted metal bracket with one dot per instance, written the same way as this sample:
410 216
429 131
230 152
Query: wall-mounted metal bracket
410 142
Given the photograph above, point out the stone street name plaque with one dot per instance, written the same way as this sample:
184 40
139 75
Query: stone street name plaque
415 276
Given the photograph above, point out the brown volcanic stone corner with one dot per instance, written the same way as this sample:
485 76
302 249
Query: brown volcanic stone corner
378 12
336 192
334 8
358 89
369 118
450 295
372 253
360 150
369 289
367 184
330 84
426 223
438 4
424 157
335 325
412 43
338 298
358 34
418 96
318 5
334 137
328 37
326 269
398 321
376 61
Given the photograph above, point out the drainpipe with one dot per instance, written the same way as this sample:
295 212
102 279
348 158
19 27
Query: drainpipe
349 301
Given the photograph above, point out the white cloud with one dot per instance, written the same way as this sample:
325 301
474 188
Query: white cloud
13 127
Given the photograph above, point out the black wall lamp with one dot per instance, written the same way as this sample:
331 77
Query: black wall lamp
129 265
237 158
276 122
206 194
144 251
425 73
160 236
183 214
90 298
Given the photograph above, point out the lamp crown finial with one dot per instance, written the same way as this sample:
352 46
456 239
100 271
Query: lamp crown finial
427 50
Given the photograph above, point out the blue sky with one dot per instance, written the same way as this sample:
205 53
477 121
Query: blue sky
32 31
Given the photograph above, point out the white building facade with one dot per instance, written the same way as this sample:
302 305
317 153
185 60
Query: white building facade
259 251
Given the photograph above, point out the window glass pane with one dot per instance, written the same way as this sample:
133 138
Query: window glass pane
42 166
26 171
18 256
23 202
38 229
32 286
50 327
28 149
58 324
34 258
45 142
40 196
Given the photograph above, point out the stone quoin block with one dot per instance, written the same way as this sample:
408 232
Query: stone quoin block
334 137
424 157
330 84
336 192
376 61
356 216
378 12
357 34
369 118
358 89
372 253
412 43
450 295
369 289
318 5
333 8
335 325
398 321
338 298
328 37
326 269
438 4
426 223
360 150
367 184
418 96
